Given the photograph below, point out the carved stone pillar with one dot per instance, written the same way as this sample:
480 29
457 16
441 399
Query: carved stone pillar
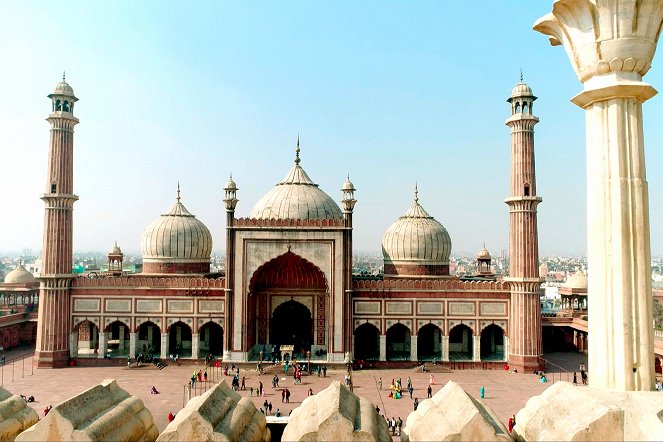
103 344
477 348
413 348
611 45
383 347
195 345
73 344
133 341
164 345
445 348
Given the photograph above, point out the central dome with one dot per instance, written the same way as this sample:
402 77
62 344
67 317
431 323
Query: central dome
176 242
296 197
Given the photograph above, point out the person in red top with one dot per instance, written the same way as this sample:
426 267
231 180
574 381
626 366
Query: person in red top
171 417
512 422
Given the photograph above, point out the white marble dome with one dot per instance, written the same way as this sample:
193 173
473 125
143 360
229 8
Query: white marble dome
577 281
296 197
19 276
521 90
416 238
176 237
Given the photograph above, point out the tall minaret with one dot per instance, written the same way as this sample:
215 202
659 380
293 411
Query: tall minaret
525 314
53 328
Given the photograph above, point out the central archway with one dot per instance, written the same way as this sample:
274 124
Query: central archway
292 325
274 319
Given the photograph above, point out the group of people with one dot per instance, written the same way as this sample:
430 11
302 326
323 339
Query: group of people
395 425
199 376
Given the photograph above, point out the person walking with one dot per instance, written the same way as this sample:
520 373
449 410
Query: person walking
575 378
287 396
416 404
380 384
411 390
283 396
482 392
430 392
265 405
399 423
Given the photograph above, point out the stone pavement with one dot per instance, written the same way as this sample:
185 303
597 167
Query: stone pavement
506 393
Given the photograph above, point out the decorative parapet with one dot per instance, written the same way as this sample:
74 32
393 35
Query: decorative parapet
428 284
260 222
104 412
336 414
602 37
452 414
219 414
150 282
15 415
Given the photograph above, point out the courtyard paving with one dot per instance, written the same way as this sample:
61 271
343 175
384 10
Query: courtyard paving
506 392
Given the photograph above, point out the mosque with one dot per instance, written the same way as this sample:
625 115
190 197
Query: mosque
288 279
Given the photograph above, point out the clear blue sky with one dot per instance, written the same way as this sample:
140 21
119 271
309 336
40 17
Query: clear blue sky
390 92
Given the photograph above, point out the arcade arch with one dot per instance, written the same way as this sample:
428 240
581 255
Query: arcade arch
367 342
149 339
492 343
429 343
179 340
461 343
398 343
117 334
211 340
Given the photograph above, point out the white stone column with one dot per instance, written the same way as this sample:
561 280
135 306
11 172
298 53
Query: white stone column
103 344
195 344
73 344
445 348
413 348
506 348
133 342
383 347
476 348
164 345
121 345
611 46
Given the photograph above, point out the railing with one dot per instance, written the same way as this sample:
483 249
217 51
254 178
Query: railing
11 369
658 333
555 376
214 376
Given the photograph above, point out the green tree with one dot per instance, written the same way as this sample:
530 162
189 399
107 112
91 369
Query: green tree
658 314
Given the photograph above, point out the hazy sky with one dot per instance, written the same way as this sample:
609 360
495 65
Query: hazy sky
391 92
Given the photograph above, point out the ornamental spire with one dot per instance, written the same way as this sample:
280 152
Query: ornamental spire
416 192
297 160
178 191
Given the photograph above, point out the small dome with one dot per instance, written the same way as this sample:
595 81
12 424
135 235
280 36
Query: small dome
484 254
19 276
348 186
176 242
63 88
230 185
577 281
115 250
296 197
416 239
521 90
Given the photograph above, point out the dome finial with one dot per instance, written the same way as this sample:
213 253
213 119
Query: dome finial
521 75
416 192
63 75
178 191
297 160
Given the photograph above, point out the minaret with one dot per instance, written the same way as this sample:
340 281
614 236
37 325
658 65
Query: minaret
53 327
230 201
525 315
349 202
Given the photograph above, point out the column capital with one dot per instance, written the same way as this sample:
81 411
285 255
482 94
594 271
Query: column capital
603 37
606 87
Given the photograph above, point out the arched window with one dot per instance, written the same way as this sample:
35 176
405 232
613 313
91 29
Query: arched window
525 111
517 108
58 106
65 106
526 189
54 188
